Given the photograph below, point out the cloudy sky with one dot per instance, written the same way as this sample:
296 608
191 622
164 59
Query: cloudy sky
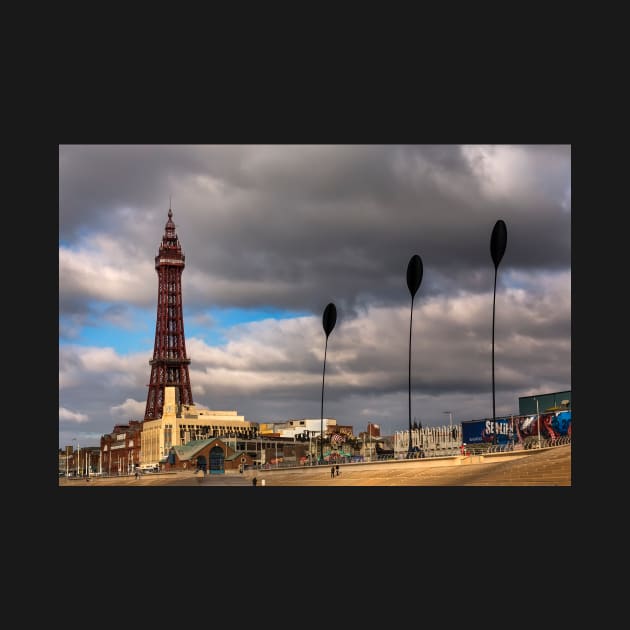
272 234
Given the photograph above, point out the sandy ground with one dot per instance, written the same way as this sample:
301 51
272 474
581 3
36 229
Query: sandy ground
545 467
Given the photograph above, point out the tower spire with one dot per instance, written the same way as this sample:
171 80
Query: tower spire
169 365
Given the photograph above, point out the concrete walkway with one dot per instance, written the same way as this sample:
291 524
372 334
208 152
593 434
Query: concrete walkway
544 467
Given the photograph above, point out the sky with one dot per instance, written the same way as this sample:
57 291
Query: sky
271 235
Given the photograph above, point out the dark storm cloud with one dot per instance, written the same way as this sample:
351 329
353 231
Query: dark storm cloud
329 222
95 180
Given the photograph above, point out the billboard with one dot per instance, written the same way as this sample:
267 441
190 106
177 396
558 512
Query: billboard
497 431
552 425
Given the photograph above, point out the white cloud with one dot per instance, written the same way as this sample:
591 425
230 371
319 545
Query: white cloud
72 416
100 269
451 344
78 364
130 410
518 173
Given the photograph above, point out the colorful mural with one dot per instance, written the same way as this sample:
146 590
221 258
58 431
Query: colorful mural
552 425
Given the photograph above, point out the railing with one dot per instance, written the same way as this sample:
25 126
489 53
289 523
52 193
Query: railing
530 442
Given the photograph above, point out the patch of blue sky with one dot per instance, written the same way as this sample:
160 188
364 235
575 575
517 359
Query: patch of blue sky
128 329
529 282
514 280
125 329
213 325
76 242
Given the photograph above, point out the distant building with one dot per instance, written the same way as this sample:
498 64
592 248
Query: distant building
211 456
80 461
307 427
171 418
120 449
181 424
428 441
555 401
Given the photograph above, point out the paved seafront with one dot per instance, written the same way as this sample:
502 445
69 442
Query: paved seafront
544 467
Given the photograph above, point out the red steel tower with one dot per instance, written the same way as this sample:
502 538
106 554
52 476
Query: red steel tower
169 366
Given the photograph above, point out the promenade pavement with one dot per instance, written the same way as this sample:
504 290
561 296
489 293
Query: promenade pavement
543 467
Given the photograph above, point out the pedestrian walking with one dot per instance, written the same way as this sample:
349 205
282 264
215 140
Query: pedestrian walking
337 469
332 472
254 481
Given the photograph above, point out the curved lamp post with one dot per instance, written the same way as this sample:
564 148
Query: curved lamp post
328 321
498 243
414 278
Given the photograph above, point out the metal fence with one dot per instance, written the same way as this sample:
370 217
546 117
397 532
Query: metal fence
531 442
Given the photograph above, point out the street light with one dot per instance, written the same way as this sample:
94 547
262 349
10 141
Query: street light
310 447
73 453
498 243
414 278
368 447
329 319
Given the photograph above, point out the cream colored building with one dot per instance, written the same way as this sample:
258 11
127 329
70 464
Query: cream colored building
295 427
180 426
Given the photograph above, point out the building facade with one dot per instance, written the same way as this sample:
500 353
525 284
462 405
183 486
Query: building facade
181 424
171 418
80 462
120 449
209 456
541 403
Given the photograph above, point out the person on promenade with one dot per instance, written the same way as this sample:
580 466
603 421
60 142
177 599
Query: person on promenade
254 481
337 469
332 472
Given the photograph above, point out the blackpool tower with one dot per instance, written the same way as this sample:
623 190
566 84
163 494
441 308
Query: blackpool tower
169 366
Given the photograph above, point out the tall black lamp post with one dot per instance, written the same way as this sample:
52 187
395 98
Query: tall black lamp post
498 243
414 278
328 321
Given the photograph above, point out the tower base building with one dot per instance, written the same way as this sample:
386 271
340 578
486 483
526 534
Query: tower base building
181 424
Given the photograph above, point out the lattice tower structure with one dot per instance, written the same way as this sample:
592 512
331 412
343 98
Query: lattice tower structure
169 366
